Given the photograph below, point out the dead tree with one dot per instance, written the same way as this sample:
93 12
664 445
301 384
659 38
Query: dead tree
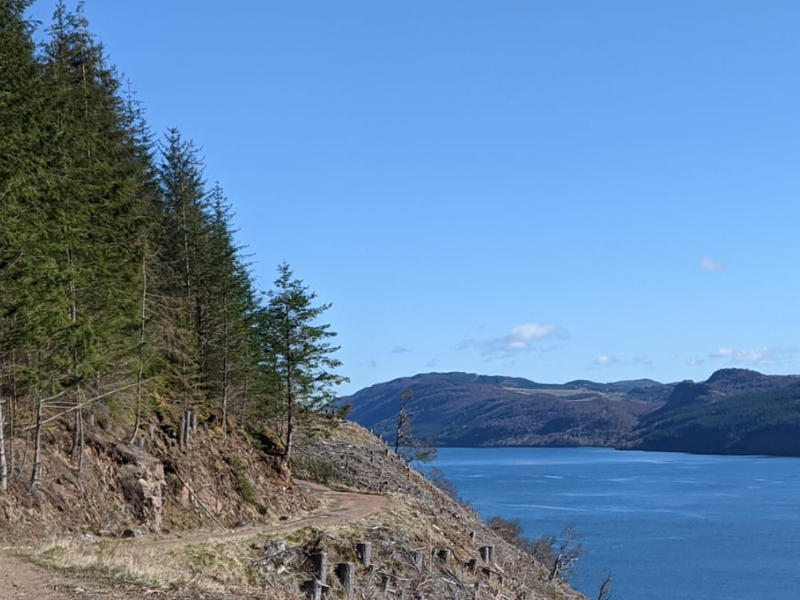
604 593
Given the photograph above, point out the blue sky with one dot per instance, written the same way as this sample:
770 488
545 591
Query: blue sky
552 190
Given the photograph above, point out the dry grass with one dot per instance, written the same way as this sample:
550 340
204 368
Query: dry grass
215 566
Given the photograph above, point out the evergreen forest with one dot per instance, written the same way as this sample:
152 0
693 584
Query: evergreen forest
121 281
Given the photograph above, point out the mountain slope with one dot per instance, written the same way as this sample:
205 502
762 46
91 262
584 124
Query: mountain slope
463 409
735 411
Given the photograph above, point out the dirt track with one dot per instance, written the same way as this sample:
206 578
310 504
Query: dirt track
20 579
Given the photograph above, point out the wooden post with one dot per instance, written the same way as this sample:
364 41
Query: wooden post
444 555
487 571
472 536
385 579
320 561
346 574
487 554
477 589
364 552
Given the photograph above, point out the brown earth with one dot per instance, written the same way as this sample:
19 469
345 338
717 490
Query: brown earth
21 579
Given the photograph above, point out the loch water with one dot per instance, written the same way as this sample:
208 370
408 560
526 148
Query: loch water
668 525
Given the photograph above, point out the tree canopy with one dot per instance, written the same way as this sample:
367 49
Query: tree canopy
121 280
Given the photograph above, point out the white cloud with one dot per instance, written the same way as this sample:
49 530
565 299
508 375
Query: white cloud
709 264
519 339
759 357
400 350
604 360
694 361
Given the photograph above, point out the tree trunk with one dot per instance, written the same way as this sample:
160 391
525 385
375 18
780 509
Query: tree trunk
140 374
36 475
3 464
287 452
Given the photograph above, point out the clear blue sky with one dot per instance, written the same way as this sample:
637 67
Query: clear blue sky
553 190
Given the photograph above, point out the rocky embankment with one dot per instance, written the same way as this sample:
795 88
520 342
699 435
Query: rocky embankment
220 519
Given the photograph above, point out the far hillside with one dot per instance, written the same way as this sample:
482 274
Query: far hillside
464 409
735 411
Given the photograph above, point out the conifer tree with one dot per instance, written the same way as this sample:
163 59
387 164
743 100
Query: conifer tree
20 171
301 353
183 242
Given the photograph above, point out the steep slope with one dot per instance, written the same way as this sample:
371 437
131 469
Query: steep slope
734 412
113 488
421 542
462 409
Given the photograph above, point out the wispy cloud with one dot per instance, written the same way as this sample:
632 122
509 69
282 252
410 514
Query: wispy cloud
759 357
400 350
604 360
709 264
369 364
519 339
431 363
694 361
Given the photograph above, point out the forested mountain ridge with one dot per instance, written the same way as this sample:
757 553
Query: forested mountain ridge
462 409
734 411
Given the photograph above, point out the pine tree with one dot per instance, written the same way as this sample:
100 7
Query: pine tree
20 173
70 225
301 354
183 244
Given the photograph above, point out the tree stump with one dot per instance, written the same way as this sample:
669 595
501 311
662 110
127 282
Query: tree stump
346 574
364 553
320 562
444 555
487 554
472 565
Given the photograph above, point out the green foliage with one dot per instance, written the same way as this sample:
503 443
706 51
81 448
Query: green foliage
298 351
119 268
243 484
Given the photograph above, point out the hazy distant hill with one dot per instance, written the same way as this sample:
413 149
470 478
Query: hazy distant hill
735 411
463 409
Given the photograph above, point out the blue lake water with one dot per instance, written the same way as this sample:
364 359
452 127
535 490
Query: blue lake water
669 526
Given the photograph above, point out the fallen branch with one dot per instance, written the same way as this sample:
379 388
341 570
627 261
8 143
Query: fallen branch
200 502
